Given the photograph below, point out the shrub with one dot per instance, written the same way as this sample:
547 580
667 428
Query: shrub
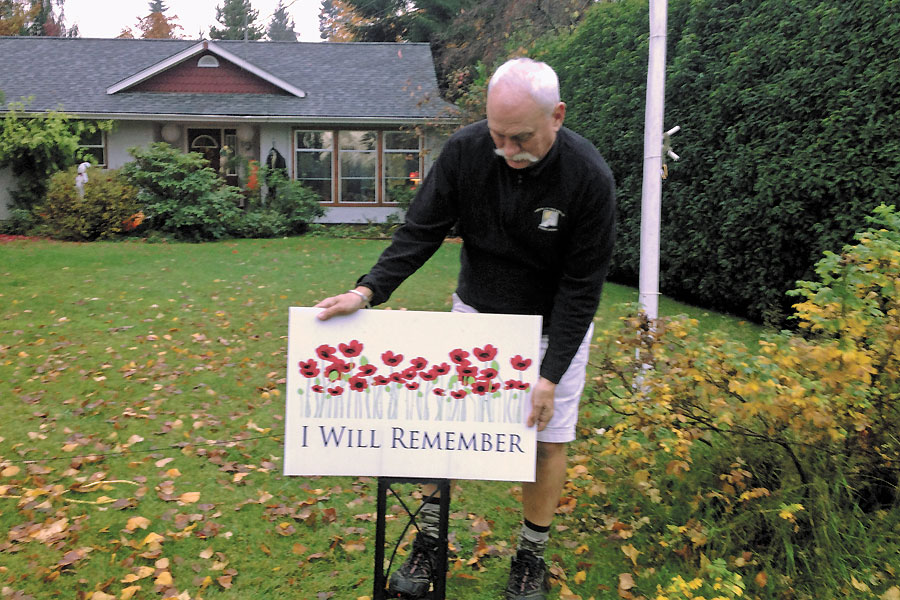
181 195
105 210
36 147
282 198
799 436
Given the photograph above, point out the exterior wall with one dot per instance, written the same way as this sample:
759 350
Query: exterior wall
7 183
227 78
126 135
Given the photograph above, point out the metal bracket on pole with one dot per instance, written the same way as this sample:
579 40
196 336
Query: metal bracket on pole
667 149
381 573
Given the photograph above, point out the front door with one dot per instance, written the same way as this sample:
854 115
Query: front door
207 142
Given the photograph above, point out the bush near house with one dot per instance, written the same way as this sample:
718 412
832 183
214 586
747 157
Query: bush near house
105 211
789 117
181 195
778 460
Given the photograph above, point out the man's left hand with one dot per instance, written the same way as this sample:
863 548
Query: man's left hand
542 404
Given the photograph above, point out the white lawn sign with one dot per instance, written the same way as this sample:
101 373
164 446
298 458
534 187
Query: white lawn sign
411 394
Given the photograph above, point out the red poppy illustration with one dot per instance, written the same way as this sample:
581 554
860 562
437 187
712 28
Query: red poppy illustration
381 380
340 366
495 385
336 391
485 354
352 349
459 355
467 371
318 389
524 386
481 387
325 351
439 392
409 373
309 368
441 369
458 394
419 363
488 373
397 378
412 385
367 370
511 384
391 359
518 363
358 384
429 375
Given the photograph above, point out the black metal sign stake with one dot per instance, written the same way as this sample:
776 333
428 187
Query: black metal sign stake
381 575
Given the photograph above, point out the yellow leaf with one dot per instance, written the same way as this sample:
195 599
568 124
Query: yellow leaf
631 552
892 594
189 497
104 500
207 553
101 596
581 549
130 591
10 471
152 539
626 581
861 586
137 522
165 578
580 577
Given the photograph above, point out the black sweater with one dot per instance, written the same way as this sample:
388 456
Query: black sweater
536 241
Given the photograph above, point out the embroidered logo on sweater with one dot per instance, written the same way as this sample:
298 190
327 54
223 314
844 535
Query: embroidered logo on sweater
549 218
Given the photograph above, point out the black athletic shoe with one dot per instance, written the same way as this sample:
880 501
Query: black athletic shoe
528 578
413 579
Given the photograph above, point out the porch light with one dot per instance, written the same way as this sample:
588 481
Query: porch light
171 132
244 132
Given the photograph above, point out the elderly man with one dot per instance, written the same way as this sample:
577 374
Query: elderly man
534 204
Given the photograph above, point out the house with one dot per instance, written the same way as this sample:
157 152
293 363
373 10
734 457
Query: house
353 121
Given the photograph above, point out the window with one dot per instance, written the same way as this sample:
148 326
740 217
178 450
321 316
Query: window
93 146
314 159
208 61
402 165
358 166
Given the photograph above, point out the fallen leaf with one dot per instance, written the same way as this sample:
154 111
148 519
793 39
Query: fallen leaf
189 497
224 581
761 579
207 553
631 552
164 578
98 595
137 522
129 592
10 471
580 577
626 581
892 594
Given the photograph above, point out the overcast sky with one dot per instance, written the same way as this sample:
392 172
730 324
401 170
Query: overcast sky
106 19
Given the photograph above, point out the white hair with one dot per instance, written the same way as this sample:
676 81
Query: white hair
537 79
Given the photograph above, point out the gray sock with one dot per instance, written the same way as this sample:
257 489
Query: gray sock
533 541
430 519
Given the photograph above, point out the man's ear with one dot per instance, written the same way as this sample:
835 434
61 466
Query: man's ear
559 115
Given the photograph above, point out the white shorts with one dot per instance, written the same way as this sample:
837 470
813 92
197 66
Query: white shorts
568 391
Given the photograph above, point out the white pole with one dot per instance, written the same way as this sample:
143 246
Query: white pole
653 143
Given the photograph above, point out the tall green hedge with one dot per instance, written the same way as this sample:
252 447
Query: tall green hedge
790 118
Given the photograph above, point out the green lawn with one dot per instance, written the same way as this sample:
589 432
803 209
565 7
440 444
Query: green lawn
140 447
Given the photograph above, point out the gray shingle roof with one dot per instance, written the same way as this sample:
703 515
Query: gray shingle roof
342 81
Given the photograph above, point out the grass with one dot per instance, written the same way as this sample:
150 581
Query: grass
141 388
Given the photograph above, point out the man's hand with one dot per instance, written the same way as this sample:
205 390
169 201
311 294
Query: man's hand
343 304
542 404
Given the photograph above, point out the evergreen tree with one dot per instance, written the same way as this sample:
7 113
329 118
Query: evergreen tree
42 20
281 27
157 6
238 19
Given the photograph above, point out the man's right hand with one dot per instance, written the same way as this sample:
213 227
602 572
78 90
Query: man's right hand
343 304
